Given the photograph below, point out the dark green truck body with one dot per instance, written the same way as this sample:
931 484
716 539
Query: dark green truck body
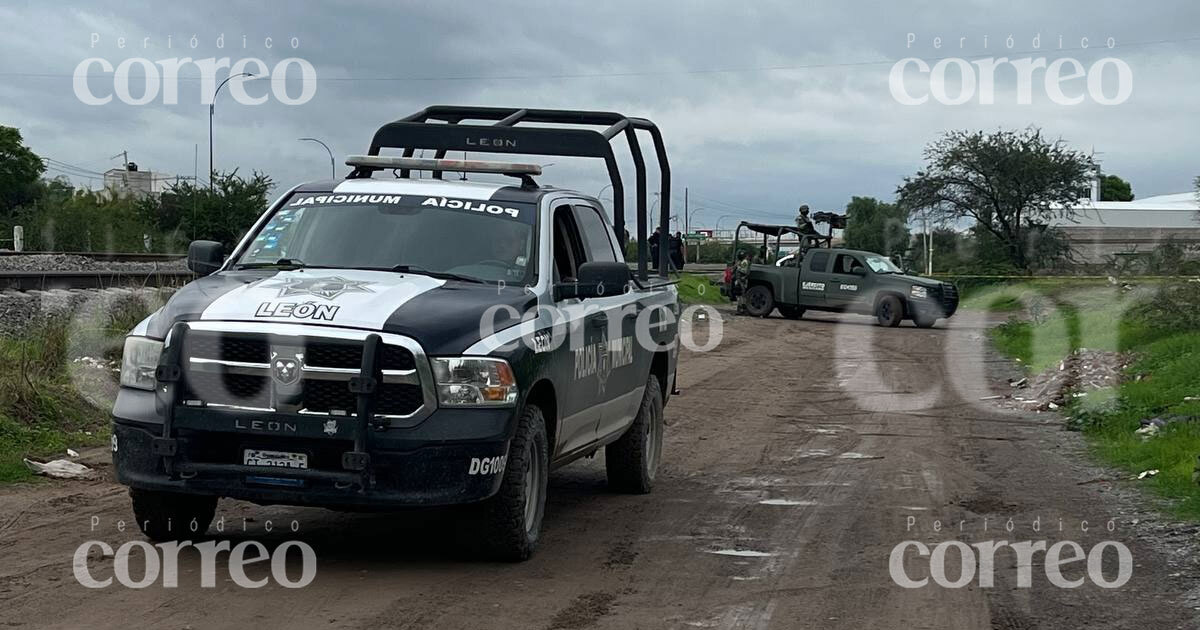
841 280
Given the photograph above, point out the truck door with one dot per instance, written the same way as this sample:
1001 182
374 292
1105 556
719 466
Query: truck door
621 367
574 371
814 278
845 286
789 275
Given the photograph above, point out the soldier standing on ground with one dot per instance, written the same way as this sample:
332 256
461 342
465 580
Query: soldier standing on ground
741 279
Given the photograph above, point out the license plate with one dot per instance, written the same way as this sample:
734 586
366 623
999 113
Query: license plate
274 459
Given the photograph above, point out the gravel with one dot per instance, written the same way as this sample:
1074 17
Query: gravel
19 309
68 262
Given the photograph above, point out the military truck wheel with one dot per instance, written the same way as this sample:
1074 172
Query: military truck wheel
632 461
791 312
759 301
889 312
164 516
924 321
511 521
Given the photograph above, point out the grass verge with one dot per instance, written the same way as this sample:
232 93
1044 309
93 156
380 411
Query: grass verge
49 401
1159 326
699 289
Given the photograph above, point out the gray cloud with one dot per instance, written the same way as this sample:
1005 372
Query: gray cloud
764 105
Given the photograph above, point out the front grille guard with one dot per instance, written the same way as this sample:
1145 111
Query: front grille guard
356 463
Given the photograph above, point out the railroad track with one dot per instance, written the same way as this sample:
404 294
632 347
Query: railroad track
105 256
96 279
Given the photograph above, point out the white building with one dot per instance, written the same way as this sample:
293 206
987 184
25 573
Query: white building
1103 229
130 181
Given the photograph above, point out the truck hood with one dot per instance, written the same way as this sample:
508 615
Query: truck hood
917 280
443 316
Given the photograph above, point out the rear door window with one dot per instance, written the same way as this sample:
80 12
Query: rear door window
819 261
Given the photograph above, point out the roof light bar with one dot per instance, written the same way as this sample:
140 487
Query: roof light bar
425 164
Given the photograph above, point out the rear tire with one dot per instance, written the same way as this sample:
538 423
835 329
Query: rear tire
512 519
759 301
791 312
889 312
164 516
632 461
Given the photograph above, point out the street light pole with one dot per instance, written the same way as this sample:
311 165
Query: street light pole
332 169
211 110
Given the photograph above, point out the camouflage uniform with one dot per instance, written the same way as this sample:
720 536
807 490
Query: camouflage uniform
804 223
741 279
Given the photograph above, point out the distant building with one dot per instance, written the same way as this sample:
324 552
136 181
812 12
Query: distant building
131 182
1102 230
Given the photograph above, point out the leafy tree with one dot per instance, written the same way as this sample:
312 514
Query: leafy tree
1113 188
876 226
20 170
64 218
186 211
1012 183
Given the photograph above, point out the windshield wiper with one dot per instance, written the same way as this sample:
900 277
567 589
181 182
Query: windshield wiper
442 275
282 262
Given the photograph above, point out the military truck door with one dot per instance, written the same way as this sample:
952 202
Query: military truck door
845 288
814 278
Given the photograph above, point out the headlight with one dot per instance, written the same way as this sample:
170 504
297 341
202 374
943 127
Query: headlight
474 382
139 361
919 292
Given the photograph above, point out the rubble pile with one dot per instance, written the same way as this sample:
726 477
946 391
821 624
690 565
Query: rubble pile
1081 372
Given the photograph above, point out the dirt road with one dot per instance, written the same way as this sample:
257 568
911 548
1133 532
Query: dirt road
799 455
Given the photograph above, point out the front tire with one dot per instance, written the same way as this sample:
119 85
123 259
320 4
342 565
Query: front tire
924 321
759 301
791 312
512 519
164 516
889 312
632 461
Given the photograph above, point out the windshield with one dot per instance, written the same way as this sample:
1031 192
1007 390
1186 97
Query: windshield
879 264
481 240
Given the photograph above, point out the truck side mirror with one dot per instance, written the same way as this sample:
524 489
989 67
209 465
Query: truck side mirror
859 271
205 257
596 279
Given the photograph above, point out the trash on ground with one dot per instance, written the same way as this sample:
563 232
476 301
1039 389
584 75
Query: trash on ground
1081 372
1147 473
72 453
60 469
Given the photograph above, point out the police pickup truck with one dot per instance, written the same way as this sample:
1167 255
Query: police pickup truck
820 277
377 343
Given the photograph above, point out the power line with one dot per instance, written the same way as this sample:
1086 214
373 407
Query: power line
659 73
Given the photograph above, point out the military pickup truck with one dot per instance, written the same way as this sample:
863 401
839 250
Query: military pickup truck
381 342
820 277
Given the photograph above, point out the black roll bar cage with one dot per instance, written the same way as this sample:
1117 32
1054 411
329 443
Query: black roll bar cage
808 240
424 130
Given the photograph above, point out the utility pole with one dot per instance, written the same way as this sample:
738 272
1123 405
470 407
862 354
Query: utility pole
687 227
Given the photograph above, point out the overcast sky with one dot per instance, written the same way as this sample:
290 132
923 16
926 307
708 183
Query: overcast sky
764 105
